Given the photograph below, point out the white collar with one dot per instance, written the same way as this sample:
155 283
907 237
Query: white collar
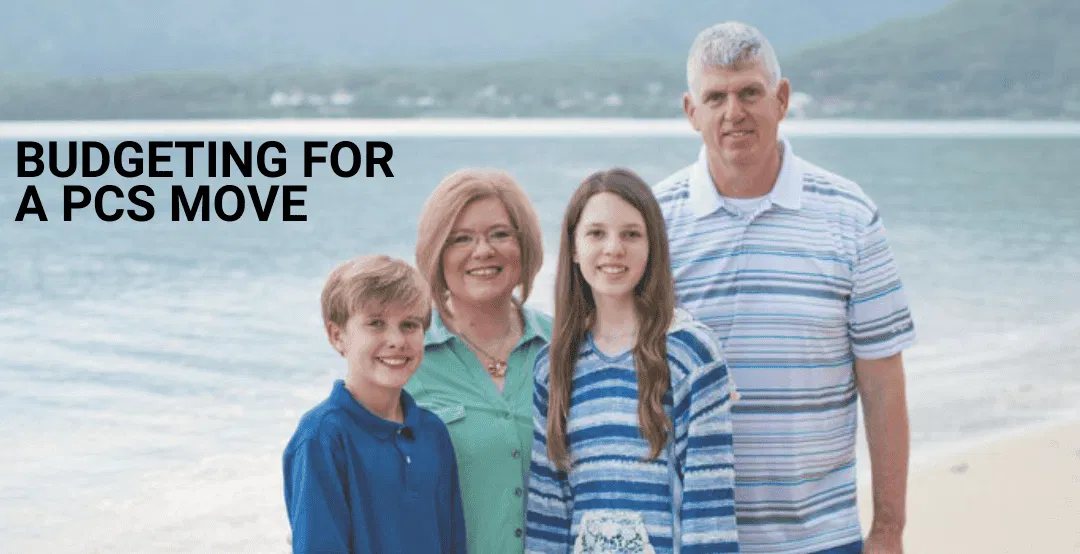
786 192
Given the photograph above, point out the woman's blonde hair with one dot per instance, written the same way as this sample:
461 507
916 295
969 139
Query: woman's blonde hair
445 204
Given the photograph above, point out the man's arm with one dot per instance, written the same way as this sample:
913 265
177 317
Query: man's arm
881 385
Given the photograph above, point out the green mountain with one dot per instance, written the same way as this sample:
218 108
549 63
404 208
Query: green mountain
65 38
975 58
971 59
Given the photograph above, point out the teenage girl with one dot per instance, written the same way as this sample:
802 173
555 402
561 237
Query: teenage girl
632 447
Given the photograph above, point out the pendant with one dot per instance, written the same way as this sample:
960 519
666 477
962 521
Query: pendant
497 368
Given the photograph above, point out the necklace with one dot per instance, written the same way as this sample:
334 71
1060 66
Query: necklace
495 367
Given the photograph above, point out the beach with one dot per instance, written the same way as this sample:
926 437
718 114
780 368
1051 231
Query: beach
153 371
1014 495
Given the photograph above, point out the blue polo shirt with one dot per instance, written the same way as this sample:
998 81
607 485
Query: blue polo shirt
357 483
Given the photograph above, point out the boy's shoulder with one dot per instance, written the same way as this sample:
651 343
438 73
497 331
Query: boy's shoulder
431 424
326 421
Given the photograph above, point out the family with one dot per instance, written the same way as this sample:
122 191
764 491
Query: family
694 391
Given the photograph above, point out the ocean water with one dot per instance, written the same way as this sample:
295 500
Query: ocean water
150 373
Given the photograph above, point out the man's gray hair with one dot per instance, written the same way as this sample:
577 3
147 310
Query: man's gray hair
730 45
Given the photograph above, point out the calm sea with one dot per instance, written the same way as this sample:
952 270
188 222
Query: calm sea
150 373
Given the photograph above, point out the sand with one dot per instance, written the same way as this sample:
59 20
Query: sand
1017 495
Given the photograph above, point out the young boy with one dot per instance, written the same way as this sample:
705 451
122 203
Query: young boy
368 471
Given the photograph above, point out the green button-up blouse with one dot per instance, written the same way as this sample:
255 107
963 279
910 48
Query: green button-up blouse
491 431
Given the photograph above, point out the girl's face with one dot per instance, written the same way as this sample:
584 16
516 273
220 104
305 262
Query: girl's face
611 246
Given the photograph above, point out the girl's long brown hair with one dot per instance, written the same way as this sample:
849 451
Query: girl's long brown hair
575 312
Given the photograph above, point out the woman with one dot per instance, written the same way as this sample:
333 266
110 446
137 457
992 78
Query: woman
633 447
479 240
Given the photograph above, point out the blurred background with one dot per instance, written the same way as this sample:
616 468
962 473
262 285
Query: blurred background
151 373
273 58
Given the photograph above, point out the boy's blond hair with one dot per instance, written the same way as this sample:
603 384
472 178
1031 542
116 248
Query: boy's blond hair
371 284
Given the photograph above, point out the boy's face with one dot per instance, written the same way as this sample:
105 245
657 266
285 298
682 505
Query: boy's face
382 349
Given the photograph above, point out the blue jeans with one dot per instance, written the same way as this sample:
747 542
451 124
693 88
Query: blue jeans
853 548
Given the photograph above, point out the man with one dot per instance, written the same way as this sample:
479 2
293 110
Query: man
789 265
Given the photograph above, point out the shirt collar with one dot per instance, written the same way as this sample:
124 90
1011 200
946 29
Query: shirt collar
381 428
786 192
439 333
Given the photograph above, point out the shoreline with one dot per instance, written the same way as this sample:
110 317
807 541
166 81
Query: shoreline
523 127
1015 493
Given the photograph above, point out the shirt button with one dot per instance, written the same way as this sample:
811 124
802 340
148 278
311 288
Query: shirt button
516 454
408 460
517 533
517 491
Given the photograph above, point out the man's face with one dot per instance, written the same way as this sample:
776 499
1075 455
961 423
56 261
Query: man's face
737 113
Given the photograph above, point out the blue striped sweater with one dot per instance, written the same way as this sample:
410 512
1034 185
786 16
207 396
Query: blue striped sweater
610 474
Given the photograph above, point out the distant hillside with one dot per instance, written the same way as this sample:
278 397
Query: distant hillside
65 38
664 29
976 58
972 59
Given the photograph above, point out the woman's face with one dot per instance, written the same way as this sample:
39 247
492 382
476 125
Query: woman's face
482 257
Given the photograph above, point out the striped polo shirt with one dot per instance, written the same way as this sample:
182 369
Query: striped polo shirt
794 291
